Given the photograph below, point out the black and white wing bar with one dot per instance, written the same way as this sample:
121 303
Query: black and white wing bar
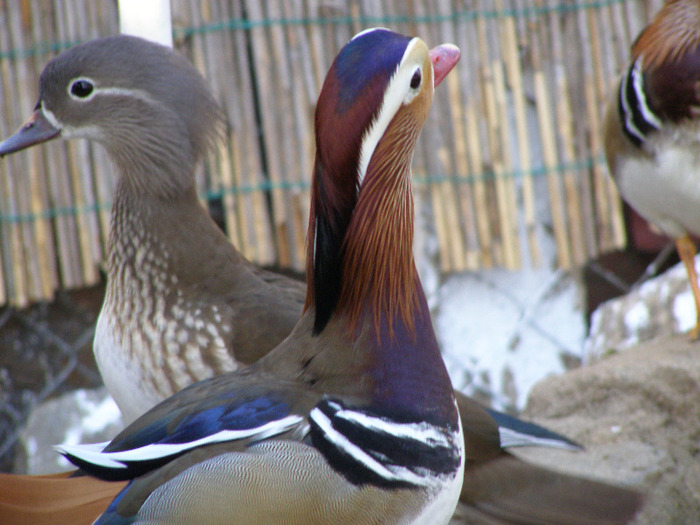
638 120
370 449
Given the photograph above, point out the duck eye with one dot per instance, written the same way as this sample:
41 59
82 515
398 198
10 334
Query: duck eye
81 88
415 79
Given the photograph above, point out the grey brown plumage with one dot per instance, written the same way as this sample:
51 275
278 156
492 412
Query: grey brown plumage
181 303
506 490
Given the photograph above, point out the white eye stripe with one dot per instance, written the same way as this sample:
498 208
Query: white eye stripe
412 92
398 93
409 48
108 91
74 81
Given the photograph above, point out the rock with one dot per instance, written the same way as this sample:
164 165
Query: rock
638 415
659 307
81 416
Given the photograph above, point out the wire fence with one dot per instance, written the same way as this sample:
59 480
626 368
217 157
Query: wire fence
511 153
45 350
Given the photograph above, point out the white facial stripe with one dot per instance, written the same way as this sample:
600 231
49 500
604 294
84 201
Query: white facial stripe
395 95
109 91
413 43
121 92
48 115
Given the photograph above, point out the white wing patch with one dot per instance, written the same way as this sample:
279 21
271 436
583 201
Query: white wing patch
421 432
340 441
93 453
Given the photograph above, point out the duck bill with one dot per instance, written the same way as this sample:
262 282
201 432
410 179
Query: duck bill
35 130
444 58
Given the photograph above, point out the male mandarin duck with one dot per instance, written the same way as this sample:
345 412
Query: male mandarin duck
495 484
650 130
182 304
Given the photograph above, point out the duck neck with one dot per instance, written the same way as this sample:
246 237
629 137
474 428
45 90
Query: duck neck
379 274
364 275
168 235
361 258
157 171
407 372
672 34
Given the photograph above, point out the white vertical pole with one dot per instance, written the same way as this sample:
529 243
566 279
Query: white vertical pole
148 19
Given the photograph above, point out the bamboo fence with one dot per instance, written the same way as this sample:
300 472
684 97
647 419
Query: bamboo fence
511 154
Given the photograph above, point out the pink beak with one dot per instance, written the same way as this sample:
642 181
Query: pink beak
444 58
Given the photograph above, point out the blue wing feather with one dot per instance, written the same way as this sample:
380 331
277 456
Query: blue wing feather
174 428
250 413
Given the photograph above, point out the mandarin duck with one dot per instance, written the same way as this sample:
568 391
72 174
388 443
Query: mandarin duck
650 130
181 304
487 492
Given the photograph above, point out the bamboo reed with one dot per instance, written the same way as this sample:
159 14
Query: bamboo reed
513 66
476 158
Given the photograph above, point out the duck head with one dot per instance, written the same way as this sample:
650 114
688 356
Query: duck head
372 106
146 104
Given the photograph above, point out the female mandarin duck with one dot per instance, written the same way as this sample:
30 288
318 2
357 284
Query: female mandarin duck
352 418
181 302
651 130
497 486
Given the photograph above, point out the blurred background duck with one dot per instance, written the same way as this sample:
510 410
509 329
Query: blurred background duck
652 131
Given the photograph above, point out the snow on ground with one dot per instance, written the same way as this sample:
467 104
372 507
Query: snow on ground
501 332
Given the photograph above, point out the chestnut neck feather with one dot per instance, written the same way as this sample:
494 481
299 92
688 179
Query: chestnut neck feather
674 32
363 263
339 125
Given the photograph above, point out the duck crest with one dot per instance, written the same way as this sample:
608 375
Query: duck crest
674 32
